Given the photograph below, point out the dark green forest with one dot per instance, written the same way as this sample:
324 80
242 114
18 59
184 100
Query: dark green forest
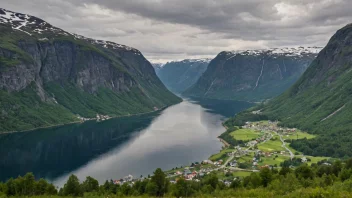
321 179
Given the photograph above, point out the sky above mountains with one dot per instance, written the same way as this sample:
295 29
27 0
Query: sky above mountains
167 30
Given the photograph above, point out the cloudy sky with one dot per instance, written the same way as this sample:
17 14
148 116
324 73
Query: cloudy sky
177 29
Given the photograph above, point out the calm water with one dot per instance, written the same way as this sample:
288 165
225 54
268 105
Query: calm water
179 135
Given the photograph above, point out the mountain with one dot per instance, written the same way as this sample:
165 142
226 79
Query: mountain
252 75
180 75
49 76
157 67
320 101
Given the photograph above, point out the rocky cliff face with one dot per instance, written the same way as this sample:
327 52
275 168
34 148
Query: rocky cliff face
320 101
180 75
252 75
69 74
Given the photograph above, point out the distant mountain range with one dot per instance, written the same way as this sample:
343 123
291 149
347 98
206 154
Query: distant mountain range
180 75
252 75
157 67
319 102
49 76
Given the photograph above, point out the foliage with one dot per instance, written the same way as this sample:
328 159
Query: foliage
72 187
304 181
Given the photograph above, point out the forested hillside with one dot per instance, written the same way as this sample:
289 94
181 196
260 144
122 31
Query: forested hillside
319 102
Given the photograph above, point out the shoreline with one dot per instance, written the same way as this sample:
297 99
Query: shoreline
226 144
77 122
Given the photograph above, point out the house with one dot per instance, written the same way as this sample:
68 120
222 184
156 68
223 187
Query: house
265 166
233 163
186 172
304 159
227 183
207 162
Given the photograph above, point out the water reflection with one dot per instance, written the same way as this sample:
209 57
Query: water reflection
178 135
52 152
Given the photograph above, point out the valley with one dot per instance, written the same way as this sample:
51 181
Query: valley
180 75
227 99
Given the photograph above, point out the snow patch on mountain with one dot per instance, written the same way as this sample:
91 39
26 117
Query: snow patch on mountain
200 60
298 51
34 26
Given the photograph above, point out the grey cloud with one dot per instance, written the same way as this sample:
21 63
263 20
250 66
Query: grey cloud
176 29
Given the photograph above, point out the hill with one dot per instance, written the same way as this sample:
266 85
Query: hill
49 76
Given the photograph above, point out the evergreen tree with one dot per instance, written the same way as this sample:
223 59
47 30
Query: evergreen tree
126 189
90 185
28 184
159 179
344 174
180 189
236 183
40 187
11 187
151 189
72 187
284 170
50 190
265 175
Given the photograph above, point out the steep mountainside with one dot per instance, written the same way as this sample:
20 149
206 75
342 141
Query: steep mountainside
180 75
252 75
320 101
157 67
49 76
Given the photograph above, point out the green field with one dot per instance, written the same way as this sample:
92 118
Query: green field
245 134
271 146
272 161
222 155
298 135
241 173
246 158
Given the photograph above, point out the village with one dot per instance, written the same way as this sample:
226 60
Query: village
98 118
265 147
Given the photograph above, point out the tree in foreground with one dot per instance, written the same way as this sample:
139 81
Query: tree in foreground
72 187
160 181
90 185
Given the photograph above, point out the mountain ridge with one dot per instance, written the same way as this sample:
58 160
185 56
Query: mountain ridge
252 75
319 102
45 70
180 75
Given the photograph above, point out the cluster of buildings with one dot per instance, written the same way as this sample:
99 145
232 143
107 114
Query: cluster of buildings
128 179
216 163
82 119
98 117
271 126
189 174
102 117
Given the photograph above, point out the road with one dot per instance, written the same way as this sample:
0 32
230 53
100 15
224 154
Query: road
284 145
